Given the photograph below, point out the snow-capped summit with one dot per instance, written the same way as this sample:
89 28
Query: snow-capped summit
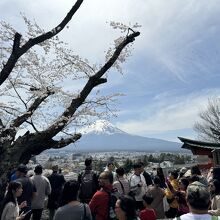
103 136
101 127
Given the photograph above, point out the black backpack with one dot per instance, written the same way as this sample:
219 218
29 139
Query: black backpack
88 184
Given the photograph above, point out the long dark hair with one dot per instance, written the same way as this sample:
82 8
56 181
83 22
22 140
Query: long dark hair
185 182
127 204
195 170
160 174
216 184
70 192
9 197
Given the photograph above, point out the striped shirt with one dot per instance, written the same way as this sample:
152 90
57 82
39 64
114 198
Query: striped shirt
122 185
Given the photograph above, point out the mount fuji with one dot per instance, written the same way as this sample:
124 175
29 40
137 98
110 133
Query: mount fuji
103 136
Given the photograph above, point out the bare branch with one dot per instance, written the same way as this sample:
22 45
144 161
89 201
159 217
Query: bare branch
93 81
208 127
18 94
18 51
8 108
32 124
21 119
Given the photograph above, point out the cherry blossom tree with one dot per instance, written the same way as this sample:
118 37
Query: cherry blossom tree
36 67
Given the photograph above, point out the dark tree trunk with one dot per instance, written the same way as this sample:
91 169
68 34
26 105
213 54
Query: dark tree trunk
13 152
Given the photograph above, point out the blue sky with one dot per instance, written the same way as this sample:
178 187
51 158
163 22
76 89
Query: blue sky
174 67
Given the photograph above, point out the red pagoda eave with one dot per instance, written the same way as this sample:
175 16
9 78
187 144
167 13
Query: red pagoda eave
201 151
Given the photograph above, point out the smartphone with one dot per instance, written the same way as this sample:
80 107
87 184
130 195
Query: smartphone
27 212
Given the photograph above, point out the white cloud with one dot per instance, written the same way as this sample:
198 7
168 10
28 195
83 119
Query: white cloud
168 114
179 39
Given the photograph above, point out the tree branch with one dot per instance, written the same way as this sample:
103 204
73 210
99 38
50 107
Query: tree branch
32 124
18 94
93 81
64 142
18 51
16 44
33 144
21 119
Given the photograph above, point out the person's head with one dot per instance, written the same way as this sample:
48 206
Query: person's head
88 162
198 197
160 171
182 172
216 173
125 208
157 181
195 170
147 200
193 178
173 174
120 171
38 169
142 166
105 179
214 187
55 168
22 170
183 183
137 169
211 169
110 166
14 190
210 174
70 192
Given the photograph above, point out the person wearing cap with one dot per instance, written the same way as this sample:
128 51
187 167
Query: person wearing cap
29 189
43 189
198 199
57 181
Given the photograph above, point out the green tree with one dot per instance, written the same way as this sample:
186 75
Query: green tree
128 165
145 160
99 165
179 159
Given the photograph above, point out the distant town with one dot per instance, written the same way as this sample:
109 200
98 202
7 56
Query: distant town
72 163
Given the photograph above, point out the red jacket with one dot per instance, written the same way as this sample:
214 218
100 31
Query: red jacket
99 205
147 214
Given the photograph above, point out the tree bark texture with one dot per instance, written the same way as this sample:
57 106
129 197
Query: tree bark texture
13 152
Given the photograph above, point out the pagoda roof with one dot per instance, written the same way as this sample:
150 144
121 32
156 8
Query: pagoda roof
191 144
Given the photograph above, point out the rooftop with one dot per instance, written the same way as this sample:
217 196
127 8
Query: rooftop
189 144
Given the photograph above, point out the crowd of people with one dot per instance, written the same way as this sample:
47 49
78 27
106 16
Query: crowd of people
185 194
